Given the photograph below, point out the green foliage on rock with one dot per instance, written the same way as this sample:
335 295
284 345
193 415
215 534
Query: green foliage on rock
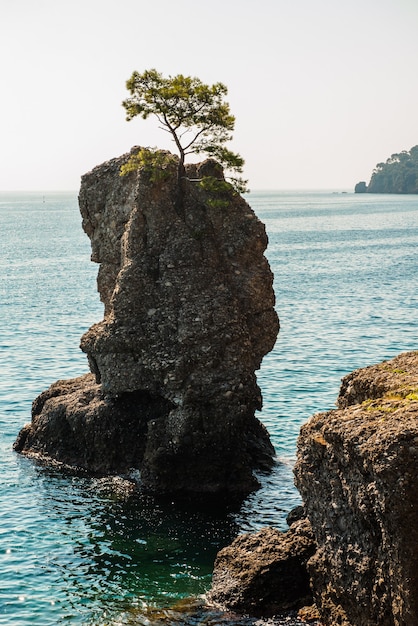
218 191
399 174
156 163
195 114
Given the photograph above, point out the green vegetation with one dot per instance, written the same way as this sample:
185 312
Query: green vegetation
393 370
218 191
398 175
156 164
392 400
381 408
195 115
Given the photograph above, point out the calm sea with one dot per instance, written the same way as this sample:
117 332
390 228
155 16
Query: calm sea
71 552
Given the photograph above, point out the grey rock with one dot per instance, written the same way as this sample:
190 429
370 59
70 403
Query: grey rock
188 316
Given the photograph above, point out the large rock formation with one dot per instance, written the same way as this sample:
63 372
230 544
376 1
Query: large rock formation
357 472
189 315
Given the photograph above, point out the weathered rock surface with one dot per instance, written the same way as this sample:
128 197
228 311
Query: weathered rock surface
189 315
357 472
264 573
75 424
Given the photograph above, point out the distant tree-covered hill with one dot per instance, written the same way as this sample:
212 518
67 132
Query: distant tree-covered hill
398 175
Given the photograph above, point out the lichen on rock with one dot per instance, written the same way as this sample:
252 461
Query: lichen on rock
188 316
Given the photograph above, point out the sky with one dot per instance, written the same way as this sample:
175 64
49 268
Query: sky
322 90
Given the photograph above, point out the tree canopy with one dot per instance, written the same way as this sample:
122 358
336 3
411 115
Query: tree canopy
399 174
195 114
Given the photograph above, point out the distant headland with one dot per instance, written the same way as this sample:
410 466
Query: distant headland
398 175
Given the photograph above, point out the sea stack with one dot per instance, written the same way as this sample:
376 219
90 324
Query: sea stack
188 316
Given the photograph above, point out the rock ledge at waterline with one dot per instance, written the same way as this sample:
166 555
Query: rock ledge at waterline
264 573
189 315
357 471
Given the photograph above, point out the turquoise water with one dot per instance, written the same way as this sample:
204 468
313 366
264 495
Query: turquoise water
73 552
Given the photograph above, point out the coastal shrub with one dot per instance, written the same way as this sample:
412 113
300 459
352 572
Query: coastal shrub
156 164
218 191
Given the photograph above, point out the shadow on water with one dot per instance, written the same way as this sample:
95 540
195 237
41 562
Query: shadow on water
126 553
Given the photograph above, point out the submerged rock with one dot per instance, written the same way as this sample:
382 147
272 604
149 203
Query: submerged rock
189 315
357 473
264 573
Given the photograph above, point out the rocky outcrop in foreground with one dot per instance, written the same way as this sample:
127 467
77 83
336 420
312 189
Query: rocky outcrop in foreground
189 315
357 472
264 573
